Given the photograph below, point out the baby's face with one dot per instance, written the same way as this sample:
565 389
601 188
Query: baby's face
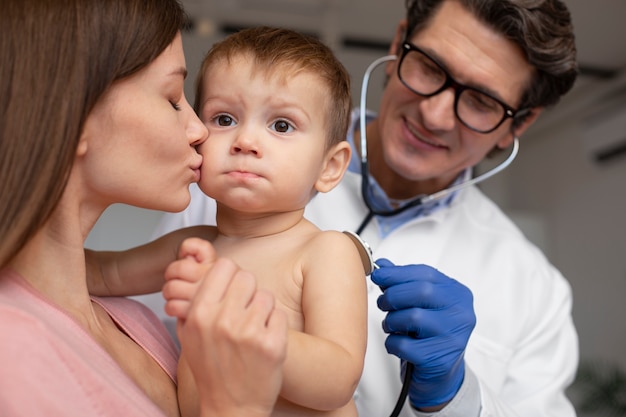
267 136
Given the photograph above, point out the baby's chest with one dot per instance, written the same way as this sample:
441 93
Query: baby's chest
283 277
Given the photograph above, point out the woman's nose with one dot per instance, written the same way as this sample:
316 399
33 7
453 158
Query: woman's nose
197 132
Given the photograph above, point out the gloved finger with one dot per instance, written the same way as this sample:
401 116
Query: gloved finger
420 323
383 262
425 294
424 353
387 276
415 322
421 294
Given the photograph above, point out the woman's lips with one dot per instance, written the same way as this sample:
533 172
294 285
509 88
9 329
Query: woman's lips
197 174
196 168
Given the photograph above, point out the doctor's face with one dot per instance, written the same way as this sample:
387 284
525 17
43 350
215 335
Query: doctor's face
424 144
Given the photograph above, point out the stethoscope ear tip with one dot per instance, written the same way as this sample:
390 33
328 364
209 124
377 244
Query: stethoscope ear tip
365 252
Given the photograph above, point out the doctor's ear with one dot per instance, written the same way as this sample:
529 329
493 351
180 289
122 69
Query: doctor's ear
396 46
518 128
335 165
398 38
527 120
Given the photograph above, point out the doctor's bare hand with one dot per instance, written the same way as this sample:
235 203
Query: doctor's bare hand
430 319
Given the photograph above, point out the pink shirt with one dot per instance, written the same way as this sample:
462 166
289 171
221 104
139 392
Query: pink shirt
50 366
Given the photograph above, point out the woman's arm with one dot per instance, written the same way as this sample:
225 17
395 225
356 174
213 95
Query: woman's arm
138 270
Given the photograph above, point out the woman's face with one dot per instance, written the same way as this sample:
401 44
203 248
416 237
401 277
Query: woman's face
138 145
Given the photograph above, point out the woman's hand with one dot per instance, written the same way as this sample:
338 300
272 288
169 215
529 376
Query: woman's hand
231 334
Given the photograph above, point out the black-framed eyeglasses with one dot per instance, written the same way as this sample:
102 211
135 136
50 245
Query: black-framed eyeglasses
474 108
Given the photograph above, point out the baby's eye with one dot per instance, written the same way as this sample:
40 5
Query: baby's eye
282 126
176 106
224 120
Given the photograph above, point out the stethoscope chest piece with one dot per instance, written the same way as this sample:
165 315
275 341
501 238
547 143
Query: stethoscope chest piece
365 252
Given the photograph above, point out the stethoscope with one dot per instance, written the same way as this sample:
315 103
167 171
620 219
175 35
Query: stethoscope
364 249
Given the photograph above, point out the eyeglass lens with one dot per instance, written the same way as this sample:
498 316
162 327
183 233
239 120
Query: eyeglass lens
425 77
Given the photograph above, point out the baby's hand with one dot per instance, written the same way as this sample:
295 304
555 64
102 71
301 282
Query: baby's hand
199 249
196 258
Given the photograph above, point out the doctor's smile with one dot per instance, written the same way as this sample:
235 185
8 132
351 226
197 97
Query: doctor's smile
420 138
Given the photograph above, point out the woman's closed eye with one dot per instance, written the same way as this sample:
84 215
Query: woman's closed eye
175 105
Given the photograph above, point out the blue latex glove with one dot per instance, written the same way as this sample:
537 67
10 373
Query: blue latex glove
430 318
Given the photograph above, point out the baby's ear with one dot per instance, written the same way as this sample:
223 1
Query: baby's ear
335 165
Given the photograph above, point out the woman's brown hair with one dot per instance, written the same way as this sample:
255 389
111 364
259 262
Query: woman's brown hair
57 59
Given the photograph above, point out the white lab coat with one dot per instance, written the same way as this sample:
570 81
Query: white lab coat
523 350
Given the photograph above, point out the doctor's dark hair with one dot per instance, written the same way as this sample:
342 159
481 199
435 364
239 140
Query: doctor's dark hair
285 53
58 59
542 29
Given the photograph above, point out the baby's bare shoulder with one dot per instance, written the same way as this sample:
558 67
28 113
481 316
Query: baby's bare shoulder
332 246
331 240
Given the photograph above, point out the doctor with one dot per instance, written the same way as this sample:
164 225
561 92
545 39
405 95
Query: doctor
478 310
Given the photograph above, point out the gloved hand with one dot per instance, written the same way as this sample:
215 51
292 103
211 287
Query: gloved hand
430 318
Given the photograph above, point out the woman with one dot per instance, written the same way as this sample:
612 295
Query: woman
93 113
